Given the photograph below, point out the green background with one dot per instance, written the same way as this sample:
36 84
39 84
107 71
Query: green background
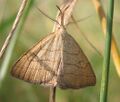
38 26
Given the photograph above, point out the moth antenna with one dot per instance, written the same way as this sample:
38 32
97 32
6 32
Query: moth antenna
79 20
62 16
75 22
47 15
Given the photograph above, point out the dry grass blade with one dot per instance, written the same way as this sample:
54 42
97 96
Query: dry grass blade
15 24
114 48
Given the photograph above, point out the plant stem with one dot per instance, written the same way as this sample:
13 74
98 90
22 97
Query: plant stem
114 48
9 51
106 61
52 94
15 24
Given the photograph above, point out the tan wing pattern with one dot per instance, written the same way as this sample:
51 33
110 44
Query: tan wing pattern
57 60
40 63
76 71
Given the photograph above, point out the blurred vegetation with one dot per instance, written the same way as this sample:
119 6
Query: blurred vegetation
35 28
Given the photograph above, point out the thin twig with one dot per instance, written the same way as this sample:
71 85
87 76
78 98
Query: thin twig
114 47
52 94
15 24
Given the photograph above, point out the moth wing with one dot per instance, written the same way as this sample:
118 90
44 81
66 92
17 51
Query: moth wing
39 64
76 71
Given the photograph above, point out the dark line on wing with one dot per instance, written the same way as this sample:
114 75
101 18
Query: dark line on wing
40 62
60 50
27 68
36 57
15 69
37 51
75 64
72 53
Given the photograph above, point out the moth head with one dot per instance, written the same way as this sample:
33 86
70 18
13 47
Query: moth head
62 22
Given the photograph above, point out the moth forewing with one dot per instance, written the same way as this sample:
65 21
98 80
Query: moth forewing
35 65
76 72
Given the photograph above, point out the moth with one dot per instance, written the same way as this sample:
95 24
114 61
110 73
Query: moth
57 60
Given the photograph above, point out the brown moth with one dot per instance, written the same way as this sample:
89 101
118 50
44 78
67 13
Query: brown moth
57 60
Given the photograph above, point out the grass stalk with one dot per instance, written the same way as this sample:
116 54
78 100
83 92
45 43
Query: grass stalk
52 94
8 54
106 61
114 47
13 29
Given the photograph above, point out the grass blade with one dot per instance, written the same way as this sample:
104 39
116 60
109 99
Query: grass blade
14 27
5 64
106 61
114 47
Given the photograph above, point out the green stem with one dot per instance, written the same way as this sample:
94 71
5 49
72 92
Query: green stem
106 61
8 54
